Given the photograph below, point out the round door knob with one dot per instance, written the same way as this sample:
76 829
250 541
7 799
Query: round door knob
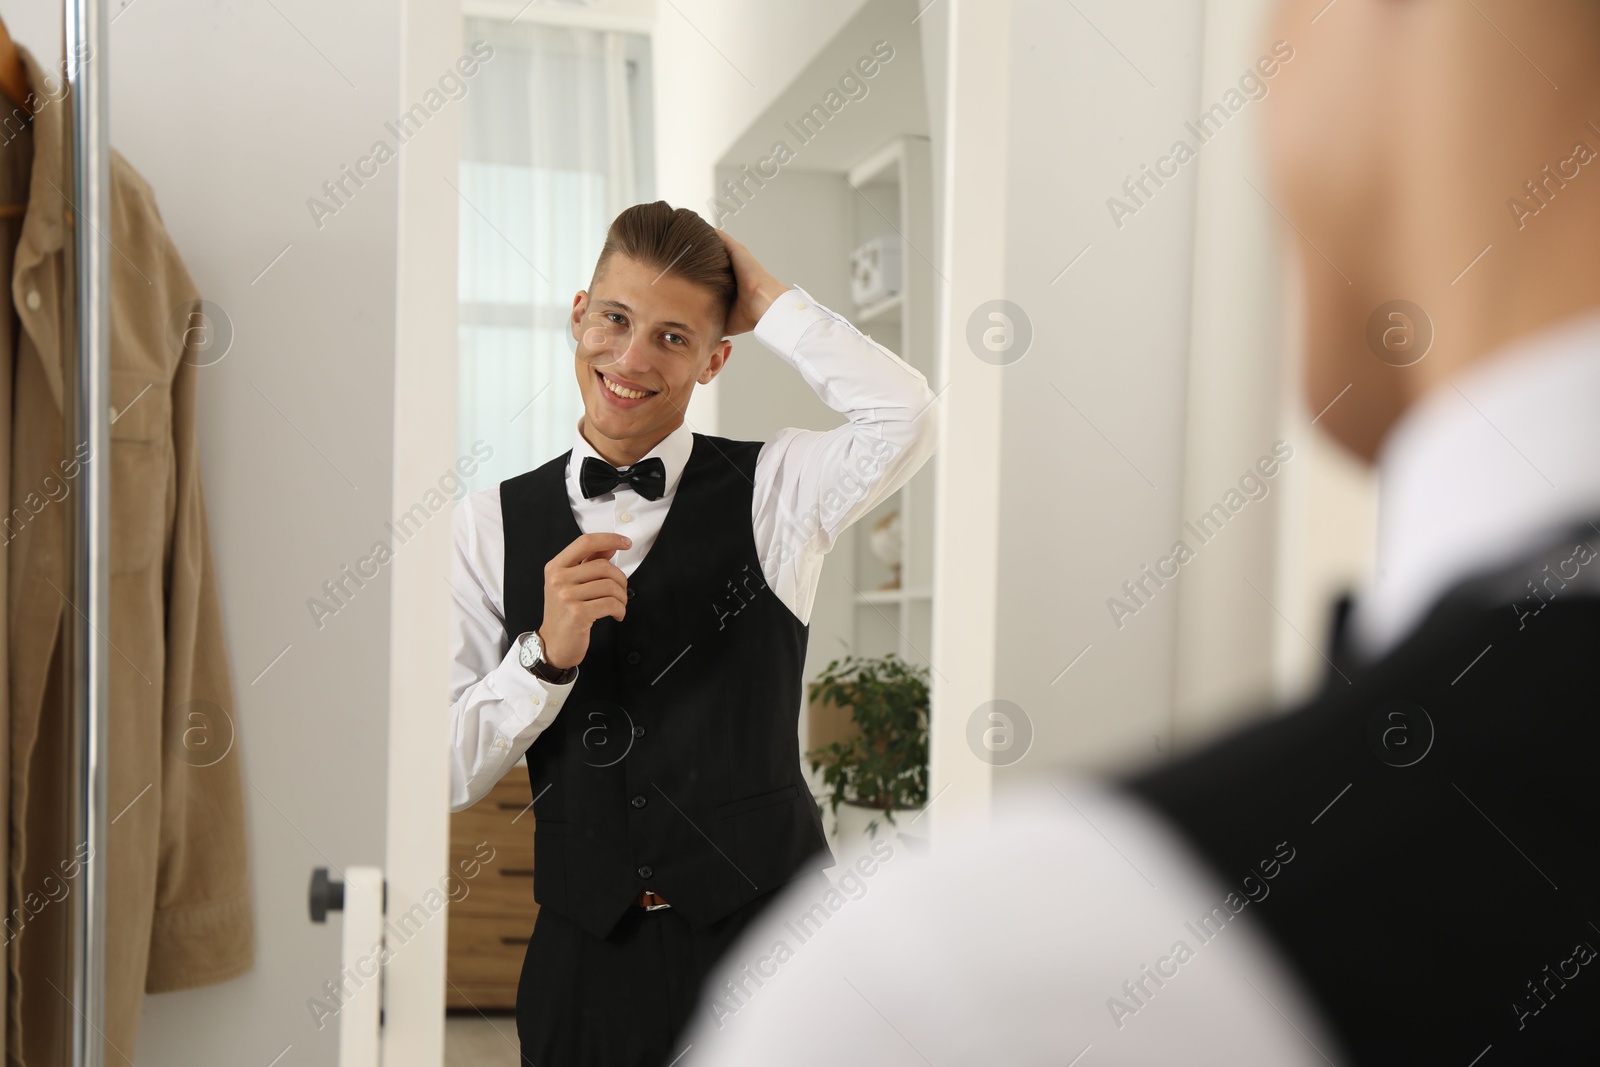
326 895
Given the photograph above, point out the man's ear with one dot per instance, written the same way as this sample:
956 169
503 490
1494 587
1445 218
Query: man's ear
580 308
719 359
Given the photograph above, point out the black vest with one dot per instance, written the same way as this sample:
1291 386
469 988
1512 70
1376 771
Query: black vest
1443 810
674 764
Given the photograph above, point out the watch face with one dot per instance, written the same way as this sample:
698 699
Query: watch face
530 651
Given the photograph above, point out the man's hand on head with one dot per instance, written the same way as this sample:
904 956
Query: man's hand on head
757 287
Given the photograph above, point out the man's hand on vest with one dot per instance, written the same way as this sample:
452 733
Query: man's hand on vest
581 584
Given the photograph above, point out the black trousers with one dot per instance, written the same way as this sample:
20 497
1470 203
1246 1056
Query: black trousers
623 1000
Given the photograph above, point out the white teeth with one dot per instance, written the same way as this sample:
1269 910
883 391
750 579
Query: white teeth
629 394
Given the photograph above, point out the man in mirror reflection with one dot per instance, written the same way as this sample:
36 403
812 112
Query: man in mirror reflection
632 616
1401 869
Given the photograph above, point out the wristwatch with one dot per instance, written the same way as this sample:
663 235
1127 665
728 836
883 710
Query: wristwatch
530 653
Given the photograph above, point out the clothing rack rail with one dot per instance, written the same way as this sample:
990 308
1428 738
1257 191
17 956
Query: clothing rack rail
86 366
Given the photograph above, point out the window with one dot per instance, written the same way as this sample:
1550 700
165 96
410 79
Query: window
556 141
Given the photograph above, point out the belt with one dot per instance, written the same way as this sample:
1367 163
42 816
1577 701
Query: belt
650 900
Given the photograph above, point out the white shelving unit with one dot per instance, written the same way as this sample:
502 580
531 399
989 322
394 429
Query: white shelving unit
893 197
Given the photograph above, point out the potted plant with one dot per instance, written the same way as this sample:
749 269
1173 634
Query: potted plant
880 761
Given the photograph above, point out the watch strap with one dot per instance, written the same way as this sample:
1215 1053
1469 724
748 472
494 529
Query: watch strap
554 675
550 674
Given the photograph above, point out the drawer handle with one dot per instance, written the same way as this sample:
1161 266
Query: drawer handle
512 805
513 941
517 872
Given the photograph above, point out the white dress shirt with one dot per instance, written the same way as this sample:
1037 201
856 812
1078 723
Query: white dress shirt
1497 463
1028 941
1009 943
809 486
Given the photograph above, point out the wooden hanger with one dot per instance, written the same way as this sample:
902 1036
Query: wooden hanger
14 86
13 78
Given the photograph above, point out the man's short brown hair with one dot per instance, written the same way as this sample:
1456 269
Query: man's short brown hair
675 241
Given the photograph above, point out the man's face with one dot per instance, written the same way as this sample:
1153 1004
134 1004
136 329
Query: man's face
643 331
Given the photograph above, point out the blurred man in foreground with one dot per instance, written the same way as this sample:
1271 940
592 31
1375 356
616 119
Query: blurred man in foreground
1403 870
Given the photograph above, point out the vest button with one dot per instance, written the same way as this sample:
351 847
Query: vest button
633 657
639 801
638 731
645 872
631 591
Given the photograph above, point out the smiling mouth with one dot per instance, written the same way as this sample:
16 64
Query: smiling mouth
624 392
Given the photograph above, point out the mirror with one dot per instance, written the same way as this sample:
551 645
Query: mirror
649 531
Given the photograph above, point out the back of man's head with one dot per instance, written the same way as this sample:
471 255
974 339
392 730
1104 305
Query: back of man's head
1436 160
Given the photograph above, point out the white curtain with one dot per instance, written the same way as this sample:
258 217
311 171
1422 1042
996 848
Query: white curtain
555 143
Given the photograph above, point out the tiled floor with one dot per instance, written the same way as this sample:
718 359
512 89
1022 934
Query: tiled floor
473 1040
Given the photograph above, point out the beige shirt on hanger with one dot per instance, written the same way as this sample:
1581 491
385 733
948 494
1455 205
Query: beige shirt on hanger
178 909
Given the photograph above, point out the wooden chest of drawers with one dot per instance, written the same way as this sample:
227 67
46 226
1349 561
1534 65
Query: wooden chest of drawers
491 910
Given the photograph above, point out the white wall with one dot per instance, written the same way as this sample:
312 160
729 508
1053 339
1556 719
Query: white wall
424 441
236 113
967 536
1094 415
1228 621
719 64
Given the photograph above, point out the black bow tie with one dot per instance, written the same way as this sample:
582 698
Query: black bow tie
648 477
